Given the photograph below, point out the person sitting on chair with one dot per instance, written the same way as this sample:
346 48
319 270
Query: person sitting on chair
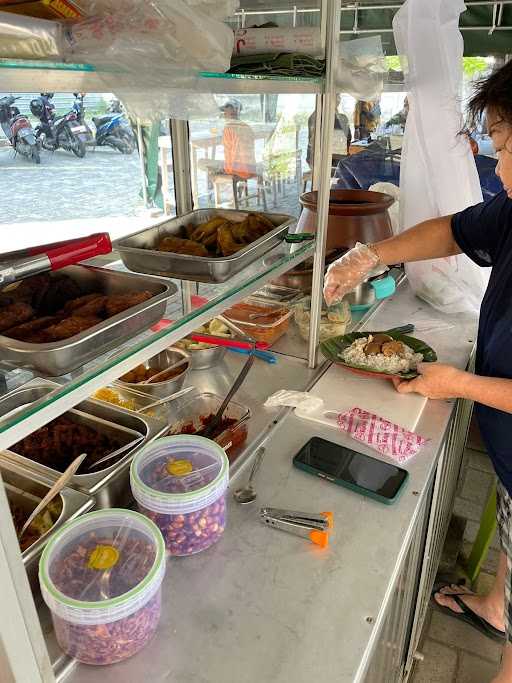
239 147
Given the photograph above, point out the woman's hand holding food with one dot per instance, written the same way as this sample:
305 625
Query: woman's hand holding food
435 380
347 272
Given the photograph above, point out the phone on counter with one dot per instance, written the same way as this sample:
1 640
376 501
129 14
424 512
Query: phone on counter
373 478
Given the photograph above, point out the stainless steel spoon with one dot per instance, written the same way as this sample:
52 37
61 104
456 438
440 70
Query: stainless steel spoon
247 494
54 491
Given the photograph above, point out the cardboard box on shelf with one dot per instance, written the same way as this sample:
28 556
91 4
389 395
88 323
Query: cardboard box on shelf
43 9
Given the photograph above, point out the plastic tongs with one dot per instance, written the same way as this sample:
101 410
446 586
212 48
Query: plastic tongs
310 525
18 265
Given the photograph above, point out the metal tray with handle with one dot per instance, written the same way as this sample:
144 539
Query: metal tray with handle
139 252
61 357
109 485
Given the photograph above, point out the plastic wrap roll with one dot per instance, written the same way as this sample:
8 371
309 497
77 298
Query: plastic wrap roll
28 38
252 41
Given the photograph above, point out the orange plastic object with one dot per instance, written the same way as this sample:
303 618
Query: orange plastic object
320 538
330 519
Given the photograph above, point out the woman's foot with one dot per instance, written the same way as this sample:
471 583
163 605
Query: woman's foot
485 606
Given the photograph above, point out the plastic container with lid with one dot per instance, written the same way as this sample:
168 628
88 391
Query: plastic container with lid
101 577
180 482
263 321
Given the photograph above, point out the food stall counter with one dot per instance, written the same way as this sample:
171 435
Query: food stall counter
262 605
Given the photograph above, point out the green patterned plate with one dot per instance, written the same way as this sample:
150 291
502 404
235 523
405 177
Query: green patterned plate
333 347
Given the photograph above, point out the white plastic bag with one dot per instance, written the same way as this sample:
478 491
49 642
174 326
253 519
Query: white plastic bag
394 209
438 174
361 68
150 55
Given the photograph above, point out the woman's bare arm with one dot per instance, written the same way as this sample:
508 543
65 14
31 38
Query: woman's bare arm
428 240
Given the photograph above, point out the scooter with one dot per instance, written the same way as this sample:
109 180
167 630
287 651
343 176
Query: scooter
18 129
55 133
113 130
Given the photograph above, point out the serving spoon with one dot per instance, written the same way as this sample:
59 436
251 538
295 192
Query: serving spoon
54 491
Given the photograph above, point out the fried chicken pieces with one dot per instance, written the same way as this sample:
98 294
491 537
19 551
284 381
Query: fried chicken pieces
47 309
218 236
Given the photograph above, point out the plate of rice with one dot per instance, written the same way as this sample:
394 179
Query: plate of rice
379 354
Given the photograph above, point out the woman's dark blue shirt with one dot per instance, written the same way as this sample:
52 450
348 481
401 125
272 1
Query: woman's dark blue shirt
484 233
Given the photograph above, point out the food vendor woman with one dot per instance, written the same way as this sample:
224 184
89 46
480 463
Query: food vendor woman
484 233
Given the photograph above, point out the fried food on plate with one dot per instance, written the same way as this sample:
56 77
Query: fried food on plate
28 331
178 245
227 243
85 306
68 328
116 303
15 314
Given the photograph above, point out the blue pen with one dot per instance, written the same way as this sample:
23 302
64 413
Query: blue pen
263 355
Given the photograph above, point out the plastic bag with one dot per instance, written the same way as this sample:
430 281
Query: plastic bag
306 40
150 55
28 38
361 68
394 209
284 397
438 173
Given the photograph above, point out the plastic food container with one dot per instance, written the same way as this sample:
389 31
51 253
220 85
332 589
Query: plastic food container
272 322
180 482
328 327
101 576
192 413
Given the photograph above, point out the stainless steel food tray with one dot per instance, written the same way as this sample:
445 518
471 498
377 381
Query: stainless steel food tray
27 490
59 358
110 486
138 253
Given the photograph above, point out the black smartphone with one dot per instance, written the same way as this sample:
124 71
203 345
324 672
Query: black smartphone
356 471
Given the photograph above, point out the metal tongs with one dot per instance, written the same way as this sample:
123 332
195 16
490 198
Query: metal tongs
18 265
314 527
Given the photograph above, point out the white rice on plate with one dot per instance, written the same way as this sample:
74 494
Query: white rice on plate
355 355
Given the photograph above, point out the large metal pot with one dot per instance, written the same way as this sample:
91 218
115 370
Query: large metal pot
354 216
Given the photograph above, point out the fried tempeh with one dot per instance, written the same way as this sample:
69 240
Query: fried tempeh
15 314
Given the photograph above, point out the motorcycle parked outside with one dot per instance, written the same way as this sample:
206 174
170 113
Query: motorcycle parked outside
18 129
112 129
54 133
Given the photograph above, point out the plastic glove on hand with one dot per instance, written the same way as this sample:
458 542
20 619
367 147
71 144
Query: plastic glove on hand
347 272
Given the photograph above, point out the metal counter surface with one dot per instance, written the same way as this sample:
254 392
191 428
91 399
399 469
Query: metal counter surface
266 606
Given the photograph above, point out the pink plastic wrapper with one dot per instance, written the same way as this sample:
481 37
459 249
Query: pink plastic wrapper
382 435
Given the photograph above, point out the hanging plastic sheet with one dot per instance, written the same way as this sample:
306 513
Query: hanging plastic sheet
148 53
438 174
361 68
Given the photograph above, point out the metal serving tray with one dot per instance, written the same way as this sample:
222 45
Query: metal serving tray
27 490
109 486
138 253
59 358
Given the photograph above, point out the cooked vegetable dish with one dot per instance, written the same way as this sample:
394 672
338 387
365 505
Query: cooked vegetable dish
39 526
62 440
217 237
44 309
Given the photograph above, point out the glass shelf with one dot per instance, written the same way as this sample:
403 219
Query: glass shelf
46 66
20 75
83 382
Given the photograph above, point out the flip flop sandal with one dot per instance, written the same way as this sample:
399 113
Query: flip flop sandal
467 615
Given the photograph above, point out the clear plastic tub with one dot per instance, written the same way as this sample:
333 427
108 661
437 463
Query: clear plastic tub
180 482
272 322
101 576
191 413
